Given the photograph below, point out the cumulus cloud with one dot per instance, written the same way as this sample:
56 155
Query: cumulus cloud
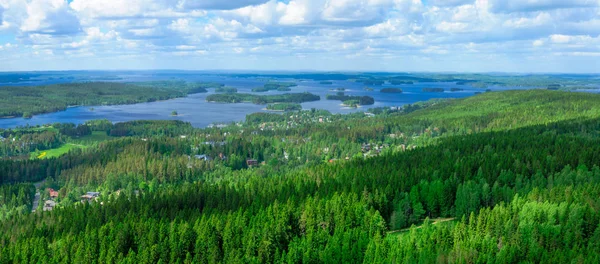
301 29
50 17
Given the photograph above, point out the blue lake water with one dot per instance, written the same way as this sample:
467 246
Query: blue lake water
199 113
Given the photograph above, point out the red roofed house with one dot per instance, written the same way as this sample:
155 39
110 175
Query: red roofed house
53 193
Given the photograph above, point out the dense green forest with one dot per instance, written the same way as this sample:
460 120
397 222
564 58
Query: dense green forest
30 100
263 99
501 177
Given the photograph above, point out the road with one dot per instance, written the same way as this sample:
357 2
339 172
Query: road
36 199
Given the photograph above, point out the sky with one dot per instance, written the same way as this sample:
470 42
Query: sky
305 35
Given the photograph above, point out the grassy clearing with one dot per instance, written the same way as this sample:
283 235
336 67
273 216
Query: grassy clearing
56 152
434 221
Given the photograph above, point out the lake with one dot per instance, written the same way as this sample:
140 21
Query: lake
199 113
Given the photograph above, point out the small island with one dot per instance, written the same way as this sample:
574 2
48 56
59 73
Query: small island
174 113
284 107
353 103
362 100
226 90
326 82
391 90
369 89
433 90
456 89
263 99
275 86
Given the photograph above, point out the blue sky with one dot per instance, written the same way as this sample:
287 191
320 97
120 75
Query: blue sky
325 35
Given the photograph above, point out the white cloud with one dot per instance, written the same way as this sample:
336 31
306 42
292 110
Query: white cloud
50 17
306 29
538 43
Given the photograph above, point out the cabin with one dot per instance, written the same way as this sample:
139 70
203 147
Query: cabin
203 157
89 196
251 162
49 205
53 193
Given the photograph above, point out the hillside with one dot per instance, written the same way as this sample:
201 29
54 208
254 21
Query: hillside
518 170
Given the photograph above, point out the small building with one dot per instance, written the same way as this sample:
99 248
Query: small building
251 162
203 157
53 193
49 205
89 196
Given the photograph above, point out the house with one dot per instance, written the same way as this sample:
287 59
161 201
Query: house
49 205
251 162
203 157
53 193
89 196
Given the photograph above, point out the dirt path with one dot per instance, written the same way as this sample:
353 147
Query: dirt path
36 201
433 222
36 198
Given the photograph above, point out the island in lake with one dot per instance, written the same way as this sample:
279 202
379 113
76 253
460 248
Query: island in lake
226 90
391 90
263 99
362 100
275 86
433 90
284 107
58 97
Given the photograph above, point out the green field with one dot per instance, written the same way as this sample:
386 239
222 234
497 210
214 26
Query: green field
74 143
57 152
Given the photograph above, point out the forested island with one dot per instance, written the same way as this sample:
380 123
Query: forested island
502 177
25 101
284 107
433 90
391 90
362 100
263 99
275 86
226 90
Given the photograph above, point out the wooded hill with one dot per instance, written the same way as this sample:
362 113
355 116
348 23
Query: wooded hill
519 191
